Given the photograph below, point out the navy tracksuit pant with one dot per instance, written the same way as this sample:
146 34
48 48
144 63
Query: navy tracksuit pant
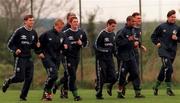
72 65
166 69
130 67
136 83
105 73
51 67
64 79
23 72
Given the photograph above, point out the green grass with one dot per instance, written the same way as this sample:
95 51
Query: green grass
12 96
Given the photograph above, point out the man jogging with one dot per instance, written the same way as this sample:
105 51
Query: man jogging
136 30
52 42
63 82
20 44
165 37
104 49
126 43
78 39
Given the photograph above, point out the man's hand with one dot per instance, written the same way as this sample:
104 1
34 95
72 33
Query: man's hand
41 56
131 38
143 48
174 37
136 44
79 42
158 45
38 44
65 46
18 51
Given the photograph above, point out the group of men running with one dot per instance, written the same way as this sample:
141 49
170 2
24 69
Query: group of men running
62 44
125 46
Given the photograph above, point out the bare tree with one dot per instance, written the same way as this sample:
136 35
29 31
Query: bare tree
91 28
14 10
48 8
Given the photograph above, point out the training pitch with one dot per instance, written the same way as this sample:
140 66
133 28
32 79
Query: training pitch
88 96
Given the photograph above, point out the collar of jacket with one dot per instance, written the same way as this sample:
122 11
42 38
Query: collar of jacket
54 30
129 27
28 29
170 23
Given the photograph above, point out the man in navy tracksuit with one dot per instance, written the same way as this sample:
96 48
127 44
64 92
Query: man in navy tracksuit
52 42
20 44
67 26
165 37
78 39
104 49
137 35
136 30
64 79
126 43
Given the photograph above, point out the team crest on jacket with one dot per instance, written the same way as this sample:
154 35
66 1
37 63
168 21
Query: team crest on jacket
23 37
61 40
114 38
70 38
81 36
17 69
50 39
106 39
174 32
32 37
164 30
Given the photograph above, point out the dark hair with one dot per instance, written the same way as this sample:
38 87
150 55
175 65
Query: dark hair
135 14
111 21
72 18
70 14
26 17
129 18
171 12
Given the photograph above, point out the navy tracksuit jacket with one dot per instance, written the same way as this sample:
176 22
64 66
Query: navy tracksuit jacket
25 40
167 51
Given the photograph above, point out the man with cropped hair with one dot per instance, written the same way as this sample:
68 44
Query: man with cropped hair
78 39
68 17
20 43
165 37
105 48
126 43
136 30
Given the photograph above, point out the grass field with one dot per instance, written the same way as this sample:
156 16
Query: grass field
12 96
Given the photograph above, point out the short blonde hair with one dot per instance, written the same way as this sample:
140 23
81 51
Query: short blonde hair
58 21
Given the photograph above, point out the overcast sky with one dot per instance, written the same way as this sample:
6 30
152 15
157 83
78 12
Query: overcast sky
120 9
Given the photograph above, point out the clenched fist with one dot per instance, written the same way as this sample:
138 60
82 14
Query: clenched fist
18 51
